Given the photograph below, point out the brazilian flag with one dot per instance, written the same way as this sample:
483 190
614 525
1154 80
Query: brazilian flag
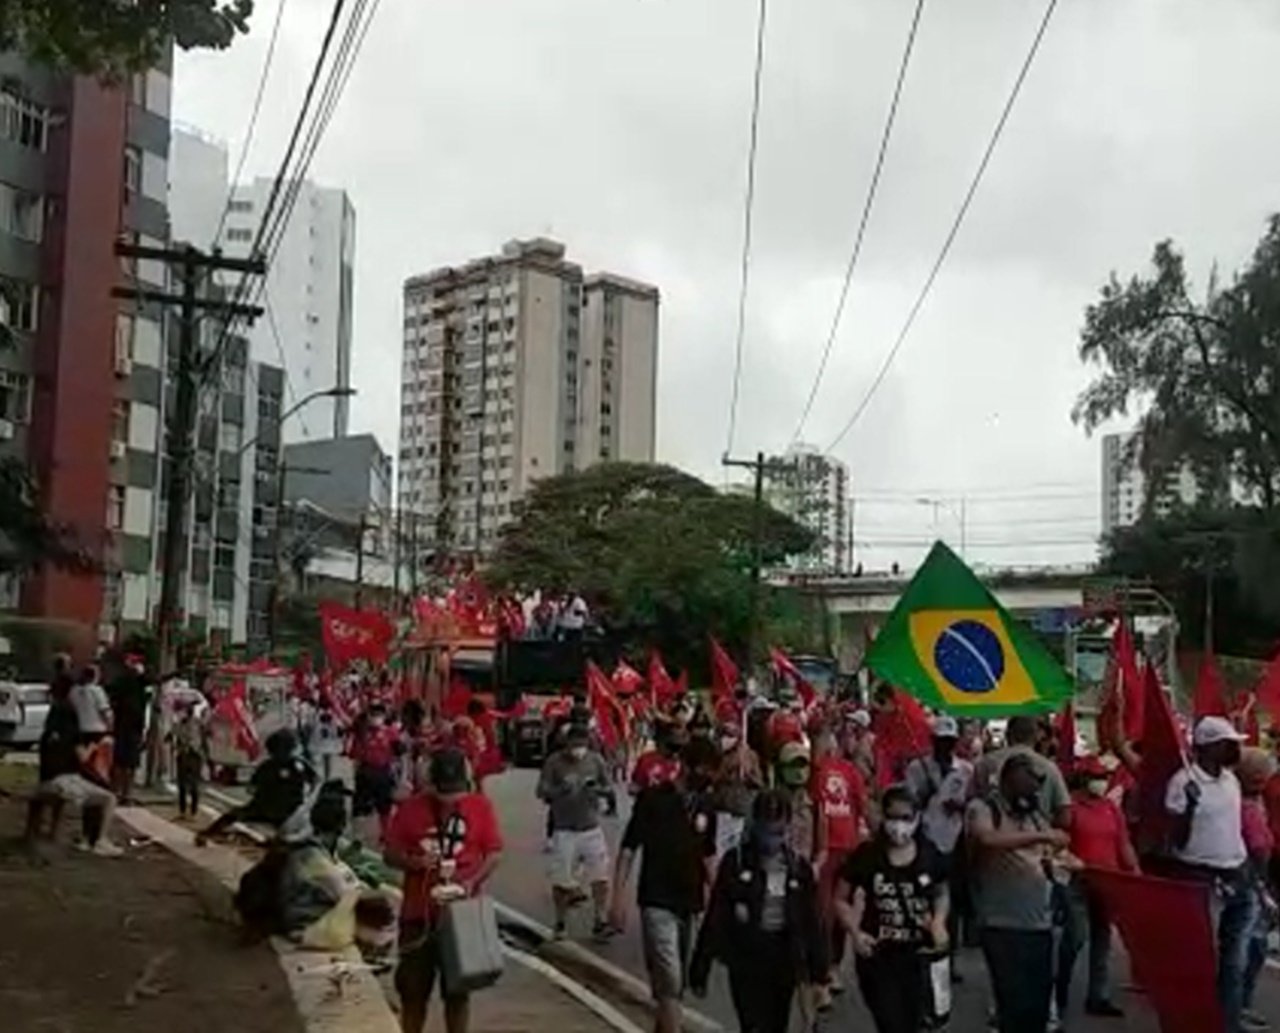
949 644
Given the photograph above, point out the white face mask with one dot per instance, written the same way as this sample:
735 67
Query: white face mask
728 744
900 831
1097 787
577 752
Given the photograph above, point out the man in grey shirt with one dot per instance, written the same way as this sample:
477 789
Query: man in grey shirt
1013 882
1052 798
574 781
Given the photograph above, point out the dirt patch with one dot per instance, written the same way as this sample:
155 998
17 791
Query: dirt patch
146 942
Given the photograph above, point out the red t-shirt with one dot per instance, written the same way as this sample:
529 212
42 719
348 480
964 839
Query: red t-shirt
1271 797
375 747
783 727
467 833
840 796
654 769
1097 831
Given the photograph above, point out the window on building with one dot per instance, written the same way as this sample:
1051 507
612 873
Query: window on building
21 213
229 437
15 396
240 206
23 121
224 556
132 173
239 236
120 420
115 506
19 305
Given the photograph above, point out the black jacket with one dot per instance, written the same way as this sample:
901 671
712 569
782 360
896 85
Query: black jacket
732 923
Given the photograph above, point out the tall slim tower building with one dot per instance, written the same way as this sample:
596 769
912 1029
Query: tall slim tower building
309 299
517 367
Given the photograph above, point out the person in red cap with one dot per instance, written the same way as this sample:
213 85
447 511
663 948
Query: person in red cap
1099 839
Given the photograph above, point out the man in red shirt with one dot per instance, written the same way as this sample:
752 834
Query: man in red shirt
660 765
446 841
1099 839
839 795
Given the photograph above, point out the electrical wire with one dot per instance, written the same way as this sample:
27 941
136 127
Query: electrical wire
955 226
251 128
284 365
748 206
867 204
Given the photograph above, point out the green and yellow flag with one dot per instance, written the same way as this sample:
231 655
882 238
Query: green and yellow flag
949 644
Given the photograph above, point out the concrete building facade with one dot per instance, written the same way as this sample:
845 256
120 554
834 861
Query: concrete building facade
1124 486
813 489
516 367
347 477
309 299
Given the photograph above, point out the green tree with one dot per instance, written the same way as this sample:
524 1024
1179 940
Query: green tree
111 38
28 538
1206 370
663 558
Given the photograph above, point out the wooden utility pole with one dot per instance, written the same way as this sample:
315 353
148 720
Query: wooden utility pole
757 548
360 564
192 268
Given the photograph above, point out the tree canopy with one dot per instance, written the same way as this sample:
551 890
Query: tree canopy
660 554
1206 369
28 538
111 38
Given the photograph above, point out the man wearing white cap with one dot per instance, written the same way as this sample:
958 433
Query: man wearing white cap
1208 846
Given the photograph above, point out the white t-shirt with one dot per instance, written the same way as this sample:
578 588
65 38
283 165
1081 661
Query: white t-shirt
1216 839
91 706
574 615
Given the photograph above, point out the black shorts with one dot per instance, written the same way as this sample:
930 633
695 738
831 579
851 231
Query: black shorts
374 791
419 965
127 750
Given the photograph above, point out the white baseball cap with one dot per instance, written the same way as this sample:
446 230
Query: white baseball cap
945 727
1215 729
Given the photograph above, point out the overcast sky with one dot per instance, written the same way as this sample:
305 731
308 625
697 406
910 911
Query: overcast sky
620 128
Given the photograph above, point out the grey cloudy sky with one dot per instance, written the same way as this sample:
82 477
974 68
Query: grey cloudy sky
620 127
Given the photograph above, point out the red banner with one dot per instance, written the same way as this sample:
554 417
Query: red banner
724 672
351 635
611 715
661 687
1210 698
626 679
1169 938
785 668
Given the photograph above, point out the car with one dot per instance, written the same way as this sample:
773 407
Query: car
23 708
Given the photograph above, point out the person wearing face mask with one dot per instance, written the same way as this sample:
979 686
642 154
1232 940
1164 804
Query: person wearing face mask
891 899
1099 839
673 828
762 922
573 784
1205 802
1013 843
806 834
737 782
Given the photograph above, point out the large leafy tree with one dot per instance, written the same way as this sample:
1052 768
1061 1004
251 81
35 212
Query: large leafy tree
664 558
111 38
1206 368
28 538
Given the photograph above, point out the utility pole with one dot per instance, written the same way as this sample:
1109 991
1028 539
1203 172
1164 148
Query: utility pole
277 545
757 547
360 565
192 268
395 572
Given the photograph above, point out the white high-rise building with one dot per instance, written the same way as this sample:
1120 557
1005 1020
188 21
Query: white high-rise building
1124 485
517 367
813 489
308 299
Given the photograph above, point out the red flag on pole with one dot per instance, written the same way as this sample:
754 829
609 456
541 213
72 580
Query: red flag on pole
611 715
626 679
1162 755
233 709
354 634
1211 694
682 683
724 672
661 687
1169 938
902 733
784 667
1129 679
1110 720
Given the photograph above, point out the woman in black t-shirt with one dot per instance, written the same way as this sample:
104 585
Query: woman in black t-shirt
892 898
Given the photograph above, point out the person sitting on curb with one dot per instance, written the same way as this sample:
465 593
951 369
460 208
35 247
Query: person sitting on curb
279 787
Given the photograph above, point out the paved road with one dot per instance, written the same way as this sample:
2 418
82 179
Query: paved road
521 883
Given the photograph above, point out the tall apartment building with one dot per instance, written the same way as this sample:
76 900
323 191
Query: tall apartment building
81 374
813 489
309 299
517 367
1124 486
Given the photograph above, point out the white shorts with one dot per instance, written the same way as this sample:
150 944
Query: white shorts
578 856
78 790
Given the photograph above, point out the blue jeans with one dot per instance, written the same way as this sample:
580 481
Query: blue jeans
1086 923
1234 910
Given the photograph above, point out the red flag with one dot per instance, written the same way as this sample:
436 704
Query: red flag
1210 698
1066 729
724 672
902 733
354 634
626 679
1110 719
784 667
1246 719
1162 755
1169 938
611 715
233 709
456 699
661 687
1267 690
682 683
1129 679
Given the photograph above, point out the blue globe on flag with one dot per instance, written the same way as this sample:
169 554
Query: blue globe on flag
969 655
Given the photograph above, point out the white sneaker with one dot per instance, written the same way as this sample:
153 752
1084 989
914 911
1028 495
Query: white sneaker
106 848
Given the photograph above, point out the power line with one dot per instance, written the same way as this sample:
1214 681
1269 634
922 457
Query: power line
284 365
973 492
253 119
748 206
867 205
955 226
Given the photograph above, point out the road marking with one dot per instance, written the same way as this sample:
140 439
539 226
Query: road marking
578 991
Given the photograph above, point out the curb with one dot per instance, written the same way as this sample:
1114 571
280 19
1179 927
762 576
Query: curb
595 969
